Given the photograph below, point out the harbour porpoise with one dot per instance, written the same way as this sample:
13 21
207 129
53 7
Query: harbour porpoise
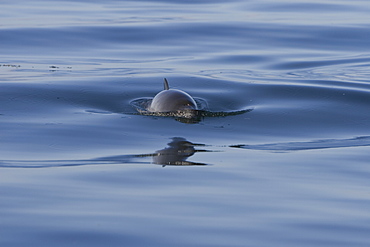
172 100
180 105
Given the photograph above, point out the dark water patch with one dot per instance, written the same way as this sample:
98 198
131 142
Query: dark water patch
238 59
324 7
195 2
361 141
320 63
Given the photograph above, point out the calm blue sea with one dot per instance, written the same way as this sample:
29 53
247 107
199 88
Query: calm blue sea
80 167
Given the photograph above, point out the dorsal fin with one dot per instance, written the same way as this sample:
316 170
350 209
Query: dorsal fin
166 86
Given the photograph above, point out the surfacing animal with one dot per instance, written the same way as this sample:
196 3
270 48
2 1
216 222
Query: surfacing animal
172 100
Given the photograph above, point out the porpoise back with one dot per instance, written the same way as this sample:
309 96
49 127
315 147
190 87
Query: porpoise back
171 100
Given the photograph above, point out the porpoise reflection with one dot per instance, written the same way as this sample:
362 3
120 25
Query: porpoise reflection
178 104
175 154
178 150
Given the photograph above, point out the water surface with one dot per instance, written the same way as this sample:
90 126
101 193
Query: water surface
80 167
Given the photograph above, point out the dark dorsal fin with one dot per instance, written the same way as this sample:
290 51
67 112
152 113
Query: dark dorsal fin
166 86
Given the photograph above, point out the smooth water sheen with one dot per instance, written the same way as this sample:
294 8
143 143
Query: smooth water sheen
80 167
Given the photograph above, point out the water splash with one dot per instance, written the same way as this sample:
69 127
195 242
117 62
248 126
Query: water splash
185 116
